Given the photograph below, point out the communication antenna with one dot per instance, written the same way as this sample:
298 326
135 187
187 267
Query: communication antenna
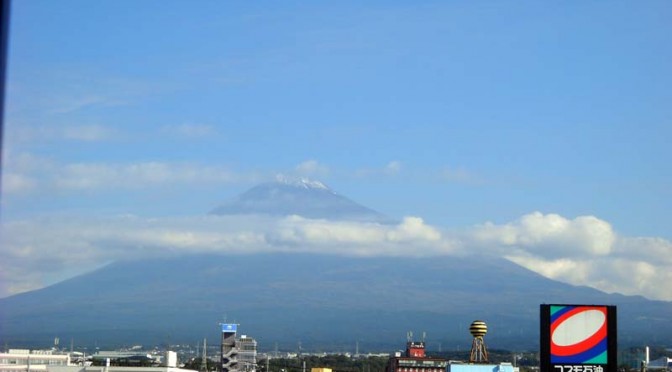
424 336
204 357
409 336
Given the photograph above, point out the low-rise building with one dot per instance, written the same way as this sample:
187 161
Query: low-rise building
247 353
487 367
660 364
415 360
23 360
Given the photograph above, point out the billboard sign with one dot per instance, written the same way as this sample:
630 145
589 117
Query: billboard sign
229 328
578 338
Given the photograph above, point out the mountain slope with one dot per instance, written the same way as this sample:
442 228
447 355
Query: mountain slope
324 301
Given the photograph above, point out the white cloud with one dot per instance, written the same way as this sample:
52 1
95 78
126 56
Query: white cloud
13 183
550 235
52 133
190 130
105 176
21 173
645 248
26 174
36 250
69 104
393 167
562 269
460 175
88 133
356 238
582 251
312 168
62 93
390 169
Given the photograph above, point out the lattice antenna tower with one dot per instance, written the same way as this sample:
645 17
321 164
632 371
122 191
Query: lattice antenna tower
204 357
479 353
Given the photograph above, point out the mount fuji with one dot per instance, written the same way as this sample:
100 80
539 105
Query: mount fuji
302 197
326 301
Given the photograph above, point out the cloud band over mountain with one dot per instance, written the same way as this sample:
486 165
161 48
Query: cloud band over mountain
580 251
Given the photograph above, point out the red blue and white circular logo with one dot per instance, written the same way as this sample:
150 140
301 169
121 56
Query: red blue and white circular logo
579 334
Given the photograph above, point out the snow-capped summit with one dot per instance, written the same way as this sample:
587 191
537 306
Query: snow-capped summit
303 197
301 182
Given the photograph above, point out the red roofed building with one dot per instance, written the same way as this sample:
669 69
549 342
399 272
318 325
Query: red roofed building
415 360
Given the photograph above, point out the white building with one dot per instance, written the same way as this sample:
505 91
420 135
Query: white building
247 353
116 369
22 360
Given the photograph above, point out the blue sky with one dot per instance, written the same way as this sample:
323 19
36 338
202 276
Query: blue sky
464 114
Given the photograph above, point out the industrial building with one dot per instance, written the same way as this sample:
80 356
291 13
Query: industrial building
415 360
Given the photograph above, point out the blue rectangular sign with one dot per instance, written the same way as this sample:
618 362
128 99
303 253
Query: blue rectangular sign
229 327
